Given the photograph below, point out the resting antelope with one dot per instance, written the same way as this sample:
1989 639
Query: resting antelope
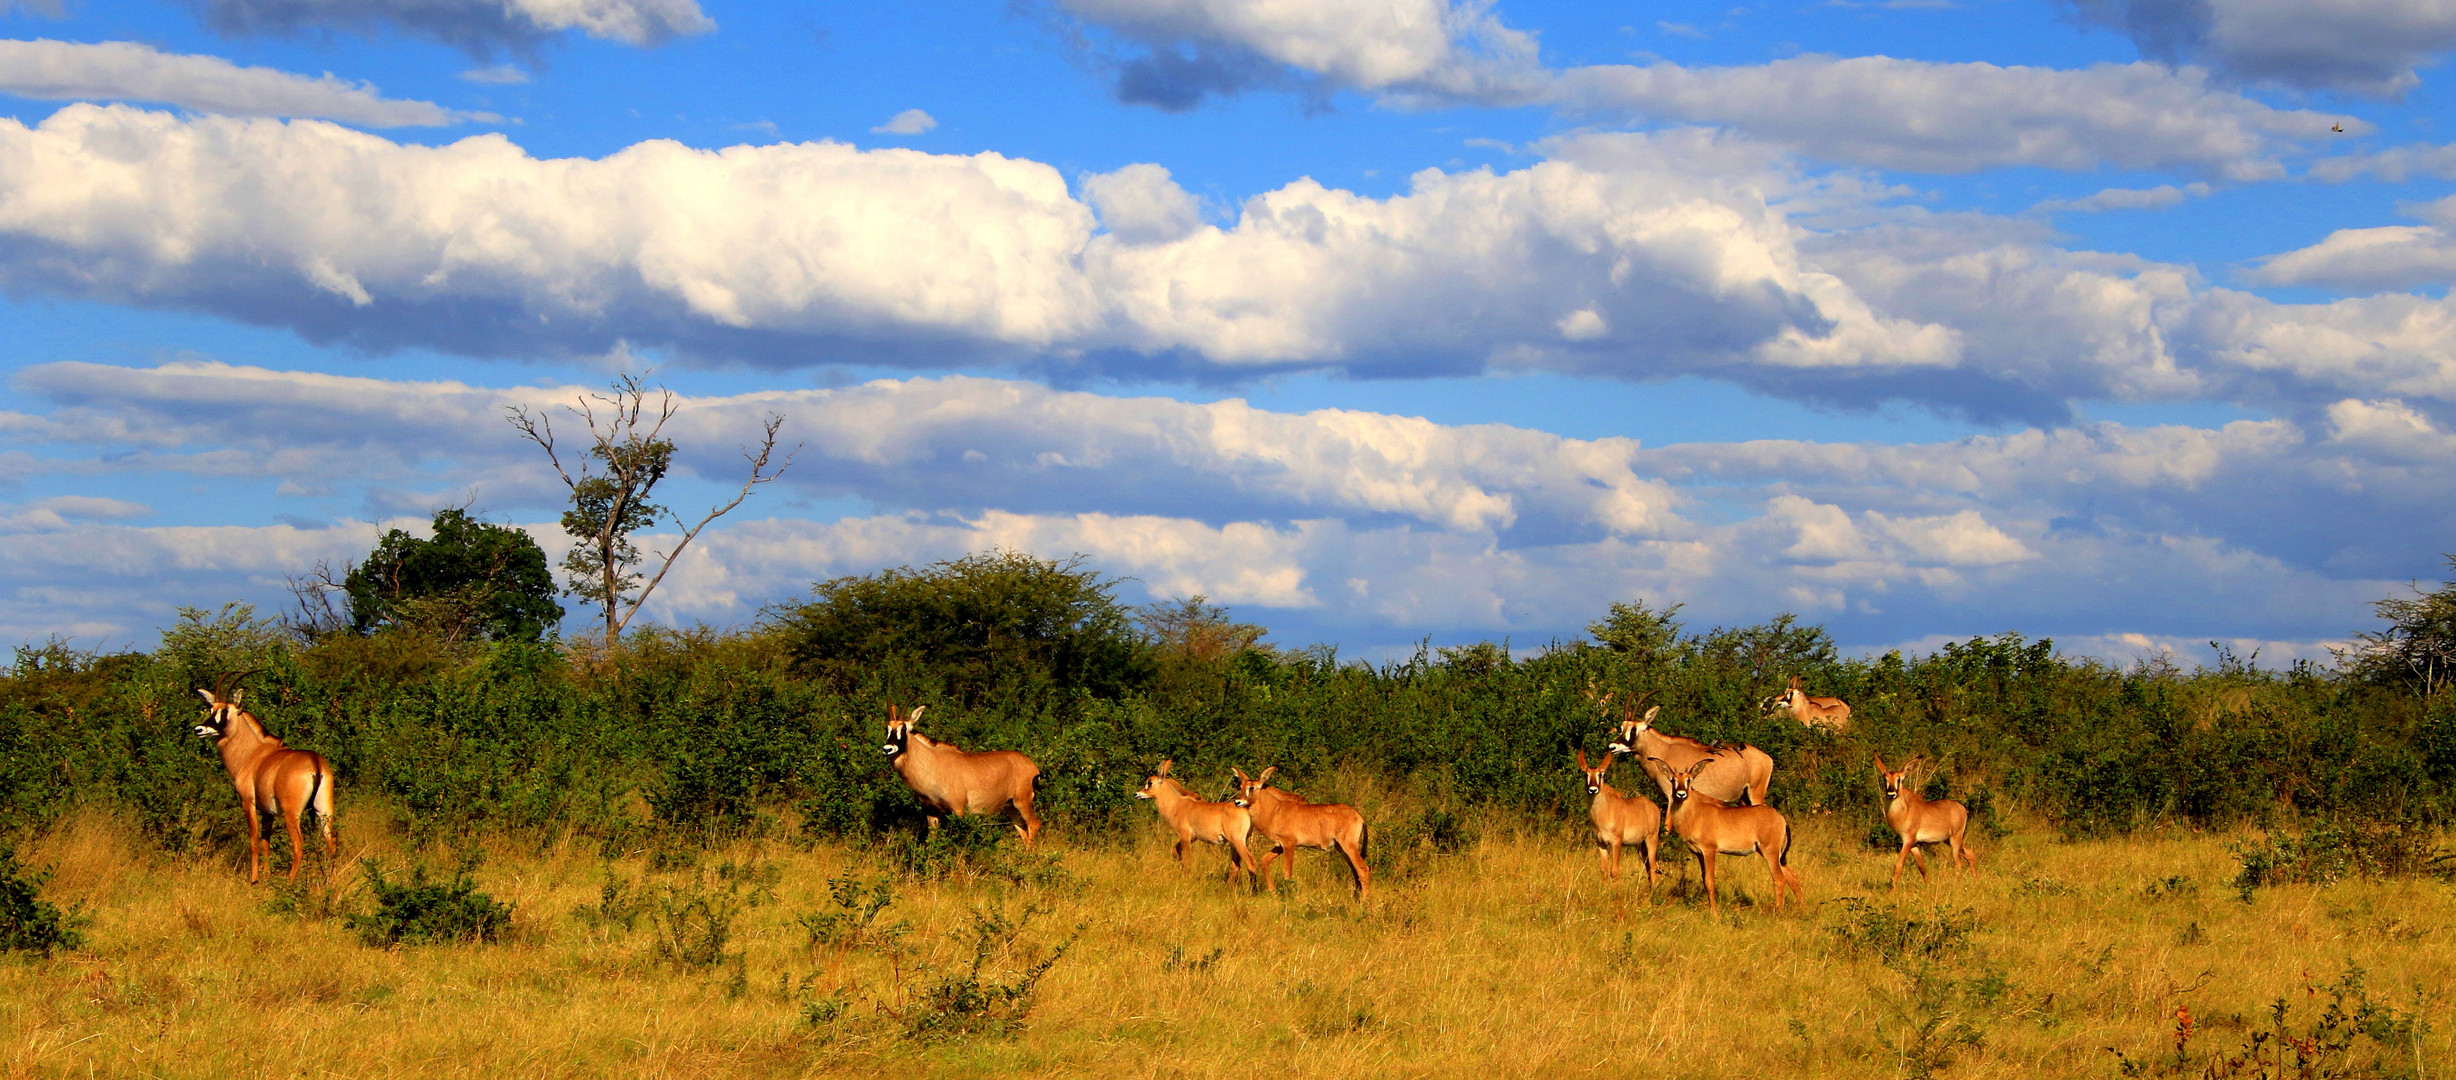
1713 828
1919 821
954 782
1823 712
1193 818
1290 823
1620 819
270 778
1737 775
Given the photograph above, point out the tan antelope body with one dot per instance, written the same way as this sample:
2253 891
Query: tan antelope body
1193 818
1290 823
1918 821
1713 828
1620 819
1733 774
1820 712
954 782
270 778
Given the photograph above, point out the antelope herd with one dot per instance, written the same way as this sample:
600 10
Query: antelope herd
1715 792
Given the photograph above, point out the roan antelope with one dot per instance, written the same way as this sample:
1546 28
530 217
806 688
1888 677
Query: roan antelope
1193 818
1289 823
1919 821
954 782
1620 819
1734 774
271 778
1820 712
1712 828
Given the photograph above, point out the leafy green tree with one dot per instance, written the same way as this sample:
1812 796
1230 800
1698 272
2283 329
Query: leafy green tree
988 624
2418 648
1196 630
627 457
470 579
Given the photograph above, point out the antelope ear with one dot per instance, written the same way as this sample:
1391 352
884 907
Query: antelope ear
1915 759
1166 764
1880 763
1266 775
1794 682
208 694
236 693
1241 777
1582 758
1650 714
914 717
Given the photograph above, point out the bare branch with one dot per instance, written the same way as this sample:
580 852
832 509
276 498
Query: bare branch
758 475
539 430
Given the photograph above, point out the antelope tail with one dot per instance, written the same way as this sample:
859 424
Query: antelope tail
1787 835
320 799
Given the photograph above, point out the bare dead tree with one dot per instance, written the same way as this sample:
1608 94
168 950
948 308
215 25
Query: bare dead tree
626 458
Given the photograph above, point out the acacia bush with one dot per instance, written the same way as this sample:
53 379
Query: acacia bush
695 736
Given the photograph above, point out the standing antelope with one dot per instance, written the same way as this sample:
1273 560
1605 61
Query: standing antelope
1290 823
1712 828
1736 775
1822 712
954 782
270 778
1919 821
1620 819
1193 818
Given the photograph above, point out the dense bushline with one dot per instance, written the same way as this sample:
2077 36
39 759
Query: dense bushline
684 736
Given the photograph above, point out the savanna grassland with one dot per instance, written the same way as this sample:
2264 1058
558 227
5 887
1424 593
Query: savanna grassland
684 854
1512 956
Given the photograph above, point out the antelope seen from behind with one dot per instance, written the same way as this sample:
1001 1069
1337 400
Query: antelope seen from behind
1620 819
1819 712
954 782
271 778
1193 818
1734 774
1918 821
1713 828
1290 822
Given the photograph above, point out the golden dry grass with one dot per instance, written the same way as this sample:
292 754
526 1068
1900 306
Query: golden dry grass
1515 959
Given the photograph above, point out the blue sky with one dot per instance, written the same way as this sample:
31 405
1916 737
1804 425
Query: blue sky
2118 321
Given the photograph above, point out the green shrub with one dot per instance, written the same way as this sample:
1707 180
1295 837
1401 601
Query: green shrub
29 923
975 1000
2333 850
2351 1038
1896 938
419 911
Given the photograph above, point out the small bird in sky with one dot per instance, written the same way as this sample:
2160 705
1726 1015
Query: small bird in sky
2338 128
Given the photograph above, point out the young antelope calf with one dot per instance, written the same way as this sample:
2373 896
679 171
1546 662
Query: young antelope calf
1713 828
1290 823
1193 818
1620 819
1918 821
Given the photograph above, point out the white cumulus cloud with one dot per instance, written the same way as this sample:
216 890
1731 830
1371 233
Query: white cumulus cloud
1924 116
2357 46
908 122
478 27
127 71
